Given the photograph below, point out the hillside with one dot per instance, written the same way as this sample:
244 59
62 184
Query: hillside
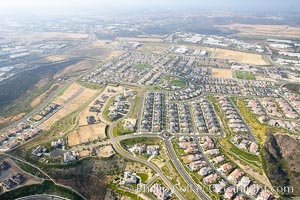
282 154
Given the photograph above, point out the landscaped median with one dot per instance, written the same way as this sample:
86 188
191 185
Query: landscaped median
229 148
259 130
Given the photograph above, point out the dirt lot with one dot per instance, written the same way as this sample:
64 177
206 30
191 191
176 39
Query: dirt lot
221 73
264 30
139 39
85 132
38 36
52 35
38 99
242 57
70 107
101 49
74 138
55 58
158 48
11 119
105 152
90 132
237 56
79 67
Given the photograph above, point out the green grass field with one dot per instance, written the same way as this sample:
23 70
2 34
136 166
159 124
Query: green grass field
178 83
90 85
142 140
244 75
145 67
135 108
119 130
259 130
143 176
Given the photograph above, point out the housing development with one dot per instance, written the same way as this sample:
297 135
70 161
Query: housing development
111 108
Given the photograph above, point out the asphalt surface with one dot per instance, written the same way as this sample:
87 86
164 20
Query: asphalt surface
188 179
251 136
42 197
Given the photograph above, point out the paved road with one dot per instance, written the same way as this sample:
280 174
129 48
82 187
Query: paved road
215 169
44 173
251 136
122 152
188 179
42 197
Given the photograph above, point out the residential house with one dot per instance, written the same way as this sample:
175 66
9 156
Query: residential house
244 183
210 178
194 166
235 175
204 171
229 192
159 191
264 195
69 157
130 177
153 150
225 168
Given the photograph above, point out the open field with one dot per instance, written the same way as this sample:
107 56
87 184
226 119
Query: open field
139 39
259 130
244 75
74 138
236 56
70 107
92 132
105 151
231 55
221 73
142 66
100 49
55 58
78 67
86 134
89 132
5 120
158 48
242 57
38 36
49 35
39 99
264 30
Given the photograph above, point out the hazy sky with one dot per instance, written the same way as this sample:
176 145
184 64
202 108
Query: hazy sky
46 5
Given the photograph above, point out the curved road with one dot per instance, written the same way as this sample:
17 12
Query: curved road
125 154
187 178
